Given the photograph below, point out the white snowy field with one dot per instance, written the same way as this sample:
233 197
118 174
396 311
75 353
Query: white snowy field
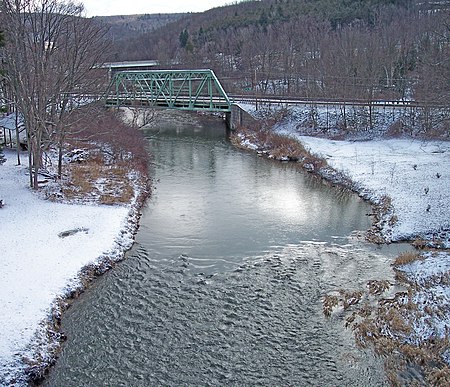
38 263
414 174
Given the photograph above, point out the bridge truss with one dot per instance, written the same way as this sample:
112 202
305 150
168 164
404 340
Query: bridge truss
173 89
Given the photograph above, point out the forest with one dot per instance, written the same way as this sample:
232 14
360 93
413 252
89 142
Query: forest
346 51
337 49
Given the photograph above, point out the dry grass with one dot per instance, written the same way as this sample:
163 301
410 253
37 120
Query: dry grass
111 152
329 302
95 181
383 214
439 377
345 300
386 325
350 298
385 204
278 147
377 287
393 220
396 321
282 146
407 257
419 243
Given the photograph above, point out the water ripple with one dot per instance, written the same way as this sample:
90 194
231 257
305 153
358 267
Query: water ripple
259 325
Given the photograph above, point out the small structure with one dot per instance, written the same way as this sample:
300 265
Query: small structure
141 65
8 126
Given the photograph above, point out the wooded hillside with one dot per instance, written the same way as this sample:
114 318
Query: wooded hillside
350 49
122 28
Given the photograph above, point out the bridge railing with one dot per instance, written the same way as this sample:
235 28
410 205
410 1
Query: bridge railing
173 89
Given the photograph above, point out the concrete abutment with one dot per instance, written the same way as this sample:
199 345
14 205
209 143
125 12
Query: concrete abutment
238 117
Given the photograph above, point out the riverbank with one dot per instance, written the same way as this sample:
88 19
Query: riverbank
67 229
407 182
405 179
56 240
84 239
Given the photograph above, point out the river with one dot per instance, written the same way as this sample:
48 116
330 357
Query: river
224 283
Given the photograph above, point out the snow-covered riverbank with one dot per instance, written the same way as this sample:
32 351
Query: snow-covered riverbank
44 246
413 177
414 174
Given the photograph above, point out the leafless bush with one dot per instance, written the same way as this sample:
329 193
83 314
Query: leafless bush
140 117
126 144
407 257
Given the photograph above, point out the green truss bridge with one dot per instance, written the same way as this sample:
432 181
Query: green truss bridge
196 90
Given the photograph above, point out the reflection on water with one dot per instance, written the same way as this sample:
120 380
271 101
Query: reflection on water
224 283
214 202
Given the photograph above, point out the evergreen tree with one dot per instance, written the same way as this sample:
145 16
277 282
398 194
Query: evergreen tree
184 37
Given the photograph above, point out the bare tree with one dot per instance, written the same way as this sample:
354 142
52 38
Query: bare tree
50 53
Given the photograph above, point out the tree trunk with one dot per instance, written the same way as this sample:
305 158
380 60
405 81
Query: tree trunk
30 158
60 156
36 164
17 137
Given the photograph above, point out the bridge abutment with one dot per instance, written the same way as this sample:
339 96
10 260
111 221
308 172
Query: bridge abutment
238 117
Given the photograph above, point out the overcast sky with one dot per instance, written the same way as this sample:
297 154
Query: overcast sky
129 7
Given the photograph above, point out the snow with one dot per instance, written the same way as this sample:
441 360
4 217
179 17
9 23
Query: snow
9 121
433 264
430 276
414 174
38 264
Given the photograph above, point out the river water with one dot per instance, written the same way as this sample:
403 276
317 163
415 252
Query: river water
223 286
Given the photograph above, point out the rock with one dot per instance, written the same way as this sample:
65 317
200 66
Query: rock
65 234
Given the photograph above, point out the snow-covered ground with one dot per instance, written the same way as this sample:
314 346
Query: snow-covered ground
43 247
430 275
414 174
38 263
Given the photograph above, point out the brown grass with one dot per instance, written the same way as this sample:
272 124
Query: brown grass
439 377
345 299
419 243
385 323
407 257
95 181
396 321
112 151
350 298
329 302
278 147
377 287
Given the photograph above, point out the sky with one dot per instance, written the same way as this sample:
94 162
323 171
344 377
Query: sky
130 7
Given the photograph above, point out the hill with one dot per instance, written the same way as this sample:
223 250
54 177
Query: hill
350 49
123 28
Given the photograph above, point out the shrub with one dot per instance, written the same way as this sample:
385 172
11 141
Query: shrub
407 257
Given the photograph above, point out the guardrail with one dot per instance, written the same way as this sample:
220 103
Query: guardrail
288 100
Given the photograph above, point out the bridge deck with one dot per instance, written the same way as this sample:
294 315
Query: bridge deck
173 89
